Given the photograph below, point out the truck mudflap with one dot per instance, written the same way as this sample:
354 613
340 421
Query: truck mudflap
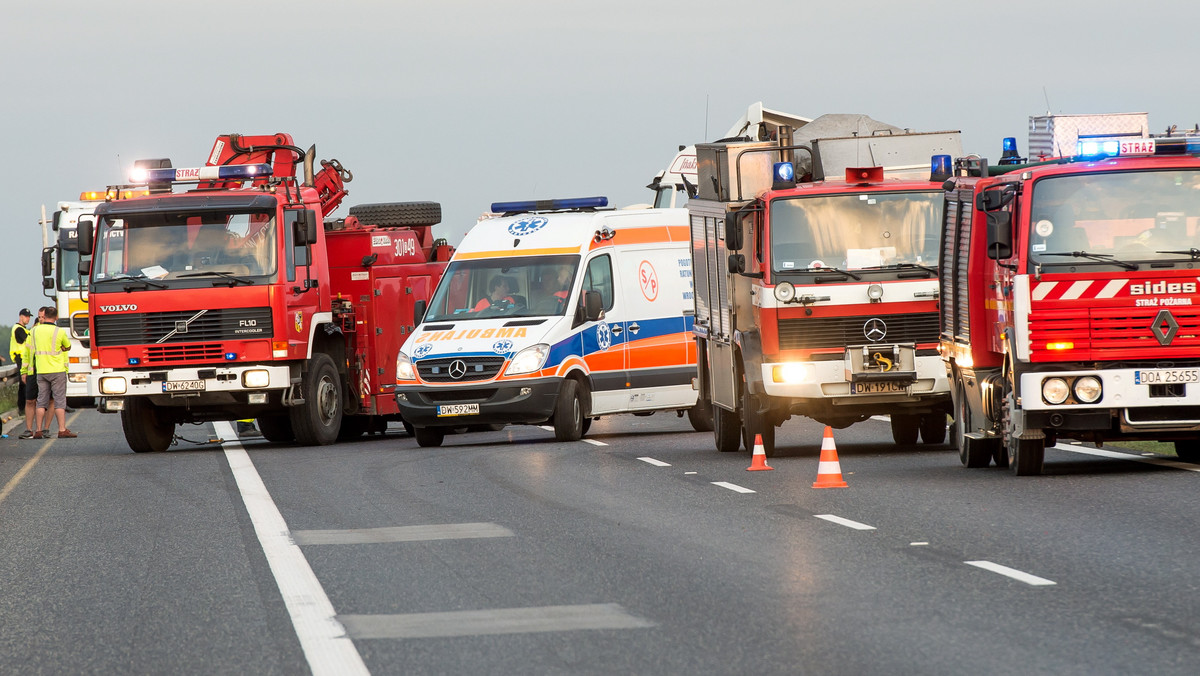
525 401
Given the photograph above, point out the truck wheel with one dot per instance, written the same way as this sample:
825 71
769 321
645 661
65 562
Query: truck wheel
905 428
353 427
398 213
727 430
973 455
933 428
755 423
316 422
1024 456
1188 451
568 413
429 436
587 425
146 429
701 416
276 428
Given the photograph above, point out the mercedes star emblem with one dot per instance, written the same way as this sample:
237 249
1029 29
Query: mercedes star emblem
875 330
458 369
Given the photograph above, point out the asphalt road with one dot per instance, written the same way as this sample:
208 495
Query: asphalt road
638 550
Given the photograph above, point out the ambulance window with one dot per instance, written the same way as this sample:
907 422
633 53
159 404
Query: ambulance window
599 278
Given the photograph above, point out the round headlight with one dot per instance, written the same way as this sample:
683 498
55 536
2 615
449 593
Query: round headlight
785 292
875 291
1088 389
1055 390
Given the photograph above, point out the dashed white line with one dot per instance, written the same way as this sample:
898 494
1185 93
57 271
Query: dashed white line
594 442
656 463
1011 572
1163 462
844 522
732 487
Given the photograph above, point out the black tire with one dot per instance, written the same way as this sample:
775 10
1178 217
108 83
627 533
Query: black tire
701 416
316 422
905 428
146 429
1188 450
353 427
429 437
755 423
390 214
568 413
587 424
408 428
276 428
1023 456
933 428
727 430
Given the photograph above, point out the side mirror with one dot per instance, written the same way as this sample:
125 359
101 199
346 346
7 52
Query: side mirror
48 263
995 198
999 234
85 236
305 227
733 231
419 308
593 307
737 264
85 267
47 283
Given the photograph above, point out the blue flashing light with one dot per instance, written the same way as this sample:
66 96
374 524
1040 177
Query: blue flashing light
230 356
228 172
1010 143
134 361
785 171
550 205
939 168
1098 148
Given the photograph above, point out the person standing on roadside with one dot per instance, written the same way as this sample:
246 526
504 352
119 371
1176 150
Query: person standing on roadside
47 349
16 350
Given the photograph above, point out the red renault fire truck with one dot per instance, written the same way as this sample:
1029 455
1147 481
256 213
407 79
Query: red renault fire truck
1069 299
240 298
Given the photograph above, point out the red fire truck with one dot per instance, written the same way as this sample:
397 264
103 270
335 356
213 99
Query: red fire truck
816 279
1069 299
240 298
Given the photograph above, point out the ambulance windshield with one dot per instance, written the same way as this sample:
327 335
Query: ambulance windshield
1084 219
855 231
534 286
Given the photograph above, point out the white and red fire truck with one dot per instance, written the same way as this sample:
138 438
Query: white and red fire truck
1069 299
239 298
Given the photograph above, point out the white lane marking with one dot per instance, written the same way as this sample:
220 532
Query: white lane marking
365 536
546 427
918 544
689 472
1011 572
732 487
1161 461
594 442
497 621
656 463
844 522
326 646
882 418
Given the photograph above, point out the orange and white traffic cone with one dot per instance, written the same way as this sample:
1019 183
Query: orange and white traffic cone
829 472
758 462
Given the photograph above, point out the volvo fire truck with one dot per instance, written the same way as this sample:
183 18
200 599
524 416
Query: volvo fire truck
815 257
1069 299
240 297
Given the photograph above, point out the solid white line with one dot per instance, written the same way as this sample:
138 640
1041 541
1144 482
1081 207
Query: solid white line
656 463
366 536
594 442
844 522
326 646
1011 572
498 621
732 487
1163 462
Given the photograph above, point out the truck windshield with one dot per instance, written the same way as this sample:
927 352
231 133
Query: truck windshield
855 231
187 249
535 286
1124 216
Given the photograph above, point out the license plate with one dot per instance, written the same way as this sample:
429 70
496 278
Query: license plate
183 386
1166 376
877 388
457 409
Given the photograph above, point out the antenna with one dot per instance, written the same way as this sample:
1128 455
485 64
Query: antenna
706 118
1047 97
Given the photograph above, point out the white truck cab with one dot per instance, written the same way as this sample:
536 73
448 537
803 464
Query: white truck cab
557 311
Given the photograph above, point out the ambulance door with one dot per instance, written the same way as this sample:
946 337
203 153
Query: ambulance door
655 332
604 340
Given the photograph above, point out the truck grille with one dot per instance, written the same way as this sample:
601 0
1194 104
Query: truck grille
812 334
475 368
186 326
1115 333
204 352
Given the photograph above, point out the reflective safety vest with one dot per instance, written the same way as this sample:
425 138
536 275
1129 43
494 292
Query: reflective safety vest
17 348
46 349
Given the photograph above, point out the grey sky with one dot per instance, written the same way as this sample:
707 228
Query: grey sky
468 102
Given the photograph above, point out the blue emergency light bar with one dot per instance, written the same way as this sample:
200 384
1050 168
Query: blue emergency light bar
1010 144
783 176
939 168
550 205
229 172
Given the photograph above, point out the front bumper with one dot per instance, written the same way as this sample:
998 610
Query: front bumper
217 385
525 401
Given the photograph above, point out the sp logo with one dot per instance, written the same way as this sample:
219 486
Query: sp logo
501 346
603 336
648 280
527 226
423 349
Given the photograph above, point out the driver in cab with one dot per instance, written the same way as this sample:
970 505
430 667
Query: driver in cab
499 295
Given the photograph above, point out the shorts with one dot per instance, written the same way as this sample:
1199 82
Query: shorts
52 385
31 388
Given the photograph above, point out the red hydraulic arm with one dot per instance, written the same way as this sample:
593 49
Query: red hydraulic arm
282 154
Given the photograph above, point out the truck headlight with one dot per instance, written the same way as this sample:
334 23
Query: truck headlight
77 377
1055 390
112 385
785 292
404 367
1088 389
256 378
528 360
790 373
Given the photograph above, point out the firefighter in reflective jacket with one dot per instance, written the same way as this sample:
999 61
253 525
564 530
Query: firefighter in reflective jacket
46 353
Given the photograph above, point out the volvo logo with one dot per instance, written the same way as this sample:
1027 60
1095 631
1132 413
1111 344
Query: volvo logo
458 369
117 308
1164 327
875 329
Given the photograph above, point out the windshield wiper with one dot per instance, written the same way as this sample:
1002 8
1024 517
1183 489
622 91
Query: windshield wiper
141 281
902 266
234 280
834 270
1193 252
1103 258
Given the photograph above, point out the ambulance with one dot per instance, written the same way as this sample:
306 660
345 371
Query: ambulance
556 312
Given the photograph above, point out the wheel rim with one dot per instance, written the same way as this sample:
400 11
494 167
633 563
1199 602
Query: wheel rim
326 400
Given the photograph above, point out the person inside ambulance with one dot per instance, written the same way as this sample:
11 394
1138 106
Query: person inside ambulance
499 295
556 290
